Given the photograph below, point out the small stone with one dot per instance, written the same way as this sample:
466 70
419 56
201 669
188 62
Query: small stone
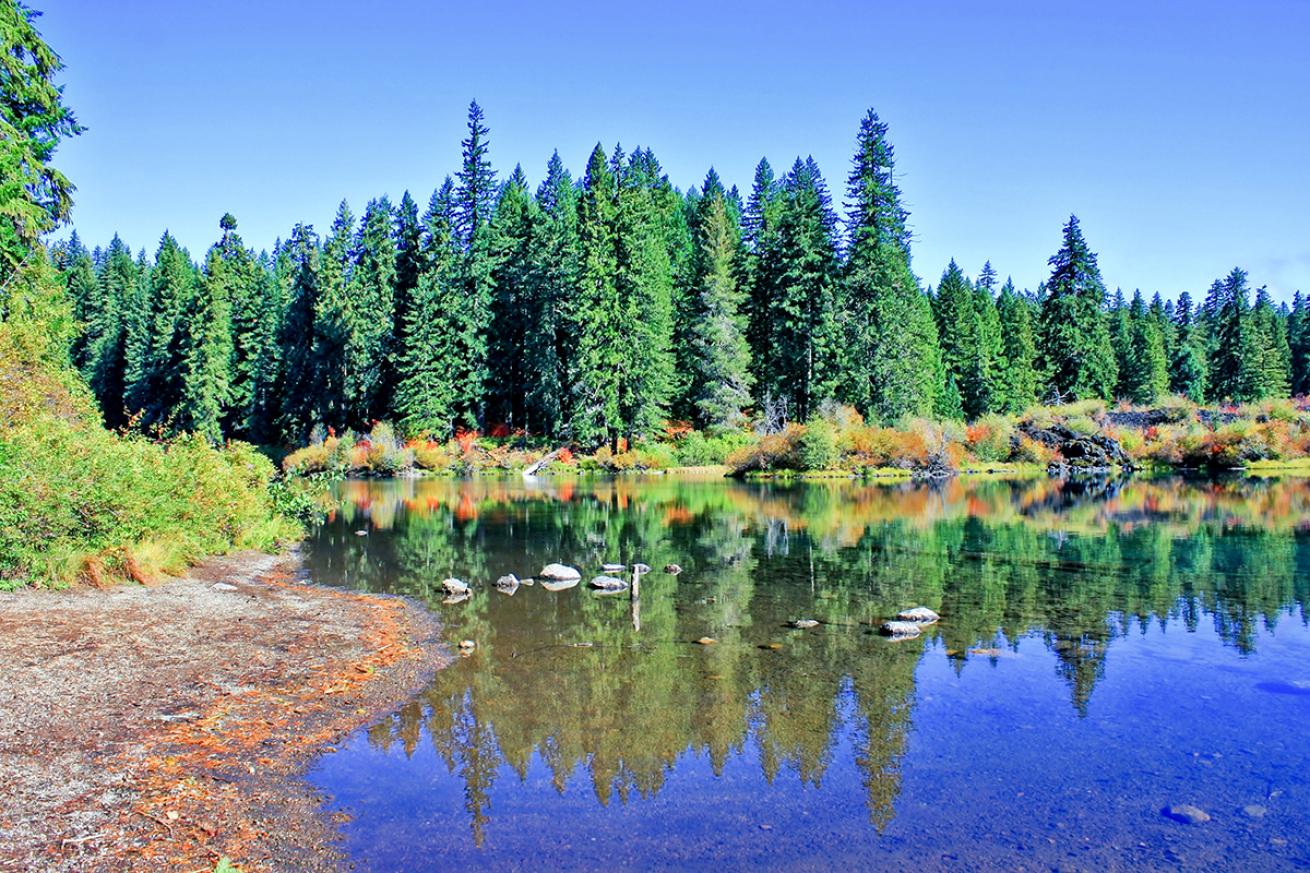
920 614
559 573
1186 814
804 623
613 568
641 568
706 641
466 647
773 647
672 569
900 630
223 586
507 584
361 533
608 583
454 587
1254 810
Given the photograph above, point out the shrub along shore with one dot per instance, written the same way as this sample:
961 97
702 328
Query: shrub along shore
1089 436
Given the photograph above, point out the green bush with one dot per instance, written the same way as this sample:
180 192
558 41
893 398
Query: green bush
818 446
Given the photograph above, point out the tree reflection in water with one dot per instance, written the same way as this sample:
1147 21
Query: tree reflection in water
570 678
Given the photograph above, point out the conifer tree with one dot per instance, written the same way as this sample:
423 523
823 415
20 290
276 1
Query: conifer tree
373 295
208 350
1235 364
425 396
104 313
232 275
759 235
549 360
137 333
515 317
644 284
802 318
1145 377
470 316
1274 377
1018 381
984 381
409 264
596 312
894 366
955 308
1074 348
335 319
1187 367
273 288
173 299
1298 331
300 260
722 357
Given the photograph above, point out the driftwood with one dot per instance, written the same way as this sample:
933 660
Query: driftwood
531 469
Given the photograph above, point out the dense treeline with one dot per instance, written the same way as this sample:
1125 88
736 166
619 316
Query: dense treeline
597 309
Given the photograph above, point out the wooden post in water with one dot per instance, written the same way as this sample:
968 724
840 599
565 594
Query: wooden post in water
636 600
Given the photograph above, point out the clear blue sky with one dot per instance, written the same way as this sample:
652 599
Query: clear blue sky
1179 132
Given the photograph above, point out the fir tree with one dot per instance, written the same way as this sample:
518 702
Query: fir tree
470 316
515 311
373 295
300 260
408 236
1269 327
173 300
1187 367
759 234
596 312
722 357
1235 361
1145 377
1074 346
549 359
233 278
1298 334
802 317
105 314
1018 381
955 308
208 351
894 366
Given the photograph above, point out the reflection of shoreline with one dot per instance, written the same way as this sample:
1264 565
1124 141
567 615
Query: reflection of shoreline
1000 562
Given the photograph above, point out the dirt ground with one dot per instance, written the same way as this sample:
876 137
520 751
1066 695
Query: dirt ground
157 728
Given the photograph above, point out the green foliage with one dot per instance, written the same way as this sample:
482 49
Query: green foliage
817 447
1074 348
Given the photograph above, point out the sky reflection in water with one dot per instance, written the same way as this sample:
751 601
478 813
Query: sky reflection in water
1104 651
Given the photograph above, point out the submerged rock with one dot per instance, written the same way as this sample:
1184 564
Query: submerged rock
1254 810
1186 813
900 630
920 614
614 568
706 641
672 569
466 647
455 598
559 573
608 583
454 587
507 584
804 623
559 584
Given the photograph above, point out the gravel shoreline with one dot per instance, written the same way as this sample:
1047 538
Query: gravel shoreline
149 728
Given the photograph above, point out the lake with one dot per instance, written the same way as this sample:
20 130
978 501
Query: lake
1106 651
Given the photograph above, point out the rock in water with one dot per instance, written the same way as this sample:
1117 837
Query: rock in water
466 647
1186 813
1254 810
900 630
613 568
804 623
706 641
608 583
455 598
672 569
641 568
920 614
361 533
454 587
507 584
559 585
559 573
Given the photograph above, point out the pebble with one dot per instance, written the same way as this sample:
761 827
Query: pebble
608 583
921 614
1186 813
454 587
706 641
466 647
804 623
223 586
361 533
559 573
613 568
672 569
1254 810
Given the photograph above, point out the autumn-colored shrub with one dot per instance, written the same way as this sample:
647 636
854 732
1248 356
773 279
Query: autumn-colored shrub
777 451
990 438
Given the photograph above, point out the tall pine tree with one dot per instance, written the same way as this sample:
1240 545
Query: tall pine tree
1074 348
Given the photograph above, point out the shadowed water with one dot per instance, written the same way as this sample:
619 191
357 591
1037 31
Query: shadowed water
1104 651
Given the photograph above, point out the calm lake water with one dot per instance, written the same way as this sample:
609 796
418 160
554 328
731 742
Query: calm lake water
1104 652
